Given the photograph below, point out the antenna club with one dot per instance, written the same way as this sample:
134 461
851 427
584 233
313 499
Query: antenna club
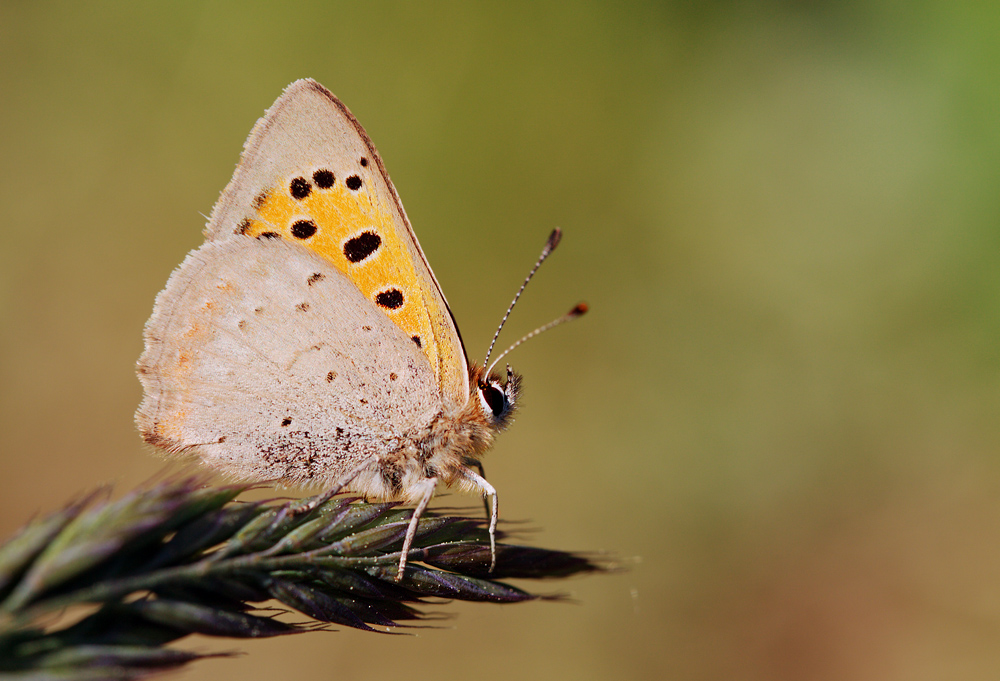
580 309
554 238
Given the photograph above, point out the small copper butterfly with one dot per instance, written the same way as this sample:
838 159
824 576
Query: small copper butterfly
307 340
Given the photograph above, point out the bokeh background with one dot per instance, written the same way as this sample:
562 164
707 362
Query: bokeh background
782 412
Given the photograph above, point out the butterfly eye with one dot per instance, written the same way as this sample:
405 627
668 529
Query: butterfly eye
493 398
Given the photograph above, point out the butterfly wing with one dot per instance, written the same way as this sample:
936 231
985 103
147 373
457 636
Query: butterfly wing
268 362
310 175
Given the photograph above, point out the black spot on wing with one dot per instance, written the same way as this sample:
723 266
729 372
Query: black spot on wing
303 229
323 178
353 183
391 299
361 246
299 188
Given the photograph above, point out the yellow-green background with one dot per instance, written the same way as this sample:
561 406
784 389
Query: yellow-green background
783 408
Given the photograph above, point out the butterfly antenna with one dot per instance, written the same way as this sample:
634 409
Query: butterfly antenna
550 246
578 311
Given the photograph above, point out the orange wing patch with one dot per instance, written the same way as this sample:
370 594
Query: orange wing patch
339 219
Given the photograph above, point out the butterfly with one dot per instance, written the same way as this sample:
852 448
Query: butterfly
307 340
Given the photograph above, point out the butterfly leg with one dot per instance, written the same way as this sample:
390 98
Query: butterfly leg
308 505
488 490
429 484
482 473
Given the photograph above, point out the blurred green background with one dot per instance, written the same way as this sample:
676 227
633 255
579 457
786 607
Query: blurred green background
783 214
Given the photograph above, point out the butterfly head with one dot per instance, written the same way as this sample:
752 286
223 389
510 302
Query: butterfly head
496 397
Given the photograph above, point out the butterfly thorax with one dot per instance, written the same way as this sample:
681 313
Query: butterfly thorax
448 445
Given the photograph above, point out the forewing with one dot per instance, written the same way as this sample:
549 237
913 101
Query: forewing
310 175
